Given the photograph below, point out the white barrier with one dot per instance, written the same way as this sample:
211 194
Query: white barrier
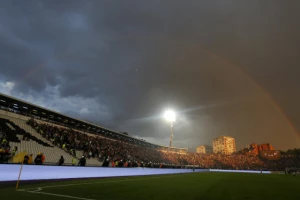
240 171
38 172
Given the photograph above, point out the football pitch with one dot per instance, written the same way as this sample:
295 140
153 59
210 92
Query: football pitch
202 186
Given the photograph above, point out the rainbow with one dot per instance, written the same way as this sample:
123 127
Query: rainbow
260 88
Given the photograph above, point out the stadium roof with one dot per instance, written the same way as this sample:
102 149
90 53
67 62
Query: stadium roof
30 109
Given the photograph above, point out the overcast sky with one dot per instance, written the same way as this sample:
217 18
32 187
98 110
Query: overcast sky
226 67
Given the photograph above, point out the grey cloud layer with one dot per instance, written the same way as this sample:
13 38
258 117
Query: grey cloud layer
132 59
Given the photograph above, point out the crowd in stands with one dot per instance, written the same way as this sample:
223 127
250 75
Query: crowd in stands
98 147
116 153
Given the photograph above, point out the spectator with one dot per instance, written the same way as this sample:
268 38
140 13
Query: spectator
43 158
26 159
4 156
30 159
61 161
14 151
74 161
38 159
82 161
4 141
105 163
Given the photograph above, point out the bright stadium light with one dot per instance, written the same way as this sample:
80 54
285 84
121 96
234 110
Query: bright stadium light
170 117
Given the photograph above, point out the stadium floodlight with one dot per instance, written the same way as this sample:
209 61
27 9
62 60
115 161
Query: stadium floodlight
170 117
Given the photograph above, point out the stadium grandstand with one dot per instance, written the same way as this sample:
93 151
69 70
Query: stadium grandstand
28 126
43 136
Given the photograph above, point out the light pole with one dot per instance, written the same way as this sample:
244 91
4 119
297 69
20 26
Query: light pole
170 117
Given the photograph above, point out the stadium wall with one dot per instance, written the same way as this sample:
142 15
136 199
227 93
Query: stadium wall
240 171
34 172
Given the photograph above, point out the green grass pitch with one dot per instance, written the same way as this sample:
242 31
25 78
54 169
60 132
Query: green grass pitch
202 186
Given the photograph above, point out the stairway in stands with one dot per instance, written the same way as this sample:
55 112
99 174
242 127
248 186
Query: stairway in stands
16 128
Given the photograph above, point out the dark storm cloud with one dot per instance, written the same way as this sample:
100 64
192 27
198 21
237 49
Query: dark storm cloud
129 60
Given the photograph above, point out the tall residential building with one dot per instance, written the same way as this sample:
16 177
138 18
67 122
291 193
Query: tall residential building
224 145
204 149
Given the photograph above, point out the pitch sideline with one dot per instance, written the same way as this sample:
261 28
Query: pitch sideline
38 190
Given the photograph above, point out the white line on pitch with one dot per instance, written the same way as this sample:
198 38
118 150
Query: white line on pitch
89 183
59 195
39 189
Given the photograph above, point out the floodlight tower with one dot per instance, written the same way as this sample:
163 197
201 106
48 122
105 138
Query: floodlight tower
170 117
